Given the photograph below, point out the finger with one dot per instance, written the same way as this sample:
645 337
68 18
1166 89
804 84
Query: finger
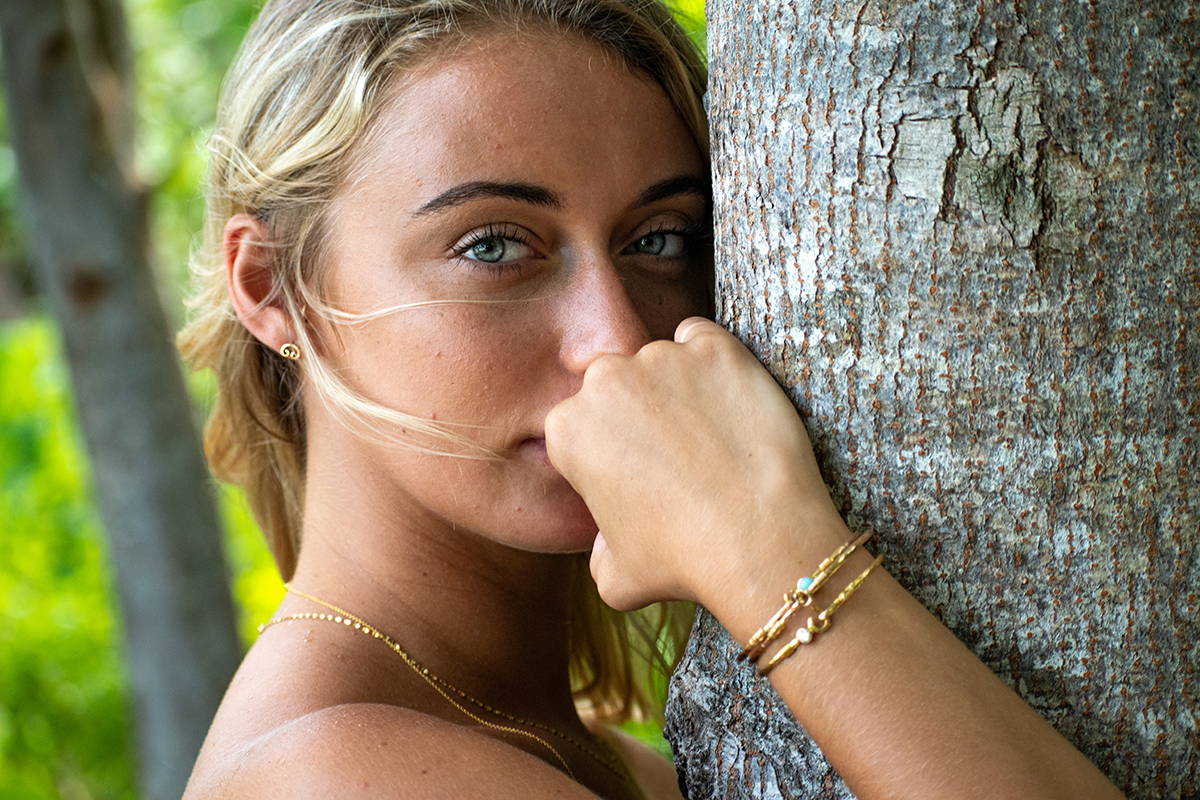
691 326
599 559
557 431
599 552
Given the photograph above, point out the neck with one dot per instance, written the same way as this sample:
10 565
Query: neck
489 619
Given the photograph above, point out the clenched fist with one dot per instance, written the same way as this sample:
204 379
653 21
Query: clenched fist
694 464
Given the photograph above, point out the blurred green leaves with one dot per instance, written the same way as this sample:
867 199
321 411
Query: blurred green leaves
64 726
690 14
64 718
181 49
64 722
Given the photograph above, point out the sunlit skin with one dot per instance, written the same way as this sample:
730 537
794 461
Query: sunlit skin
464 558
691 460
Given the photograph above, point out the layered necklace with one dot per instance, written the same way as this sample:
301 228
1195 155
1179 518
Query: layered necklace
457 697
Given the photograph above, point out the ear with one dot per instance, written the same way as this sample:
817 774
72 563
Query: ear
247 267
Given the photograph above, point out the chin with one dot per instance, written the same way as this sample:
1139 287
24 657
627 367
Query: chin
564 527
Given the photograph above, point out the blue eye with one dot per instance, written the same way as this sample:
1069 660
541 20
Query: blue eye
668 244
493 250
496 248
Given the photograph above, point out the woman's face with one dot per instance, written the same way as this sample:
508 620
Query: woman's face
537 174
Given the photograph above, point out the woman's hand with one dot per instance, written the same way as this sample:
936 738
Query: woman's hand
694 464
700 475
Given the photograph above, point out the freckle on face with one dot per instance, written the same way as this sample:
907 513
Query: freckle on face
562 114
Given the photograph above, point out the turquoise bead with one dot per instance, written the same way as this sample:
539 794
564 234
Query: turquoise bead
804 583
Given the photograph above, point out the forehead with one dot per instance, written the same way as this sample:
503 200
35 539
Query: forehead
542 107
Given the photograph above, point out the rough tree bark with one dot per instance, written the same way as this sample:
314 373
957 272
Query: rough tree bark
68 85
966 236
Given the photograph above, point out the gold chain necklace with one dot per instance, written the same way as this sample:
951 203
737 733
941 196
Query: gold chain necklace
443 687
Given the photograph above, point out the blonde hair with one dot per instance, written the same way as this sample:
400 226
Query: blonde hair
307 83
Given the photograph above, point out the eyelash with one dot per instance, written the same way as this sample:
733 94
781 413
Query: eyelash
692 234
491 231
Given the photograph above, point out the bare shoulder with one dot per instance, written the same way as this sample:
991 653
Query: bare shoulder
375 750
654 773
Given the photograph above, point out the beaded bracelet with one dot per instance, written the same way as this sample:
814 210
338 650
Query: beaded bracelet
821 622
800 597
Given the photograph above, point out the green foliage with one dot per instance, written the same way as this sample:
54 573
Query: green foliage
690 14
181 49
64 720
65 724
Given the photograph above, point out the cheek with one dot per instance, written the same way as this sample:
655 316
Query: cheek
474 364
662 306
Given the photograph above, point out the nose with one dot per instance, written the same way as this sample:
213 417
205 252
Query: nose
599 317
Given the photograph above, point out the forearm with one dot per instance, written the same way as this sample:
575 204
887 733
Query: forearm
898 705
690 448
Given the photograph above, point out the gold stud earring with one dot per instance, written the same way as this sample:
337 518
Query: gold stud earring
290 350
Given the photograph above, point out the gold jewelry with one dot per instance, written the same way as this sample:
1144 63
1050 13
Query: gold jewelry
797 598
290 350
824 619
442 687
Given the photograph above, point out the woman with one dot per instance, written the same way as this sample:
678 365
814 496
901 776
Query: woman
453 296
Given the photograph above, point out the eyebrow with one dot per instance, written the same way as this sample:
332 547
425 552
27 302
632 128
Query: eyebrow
680 184
473 190
541 196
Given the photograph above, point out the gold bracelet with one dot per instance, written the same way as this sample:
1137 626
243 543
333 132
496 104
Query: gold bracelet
821 622
800 596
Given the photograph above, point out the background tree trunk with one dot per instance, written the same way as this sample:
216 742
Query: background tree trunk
965 235
68 83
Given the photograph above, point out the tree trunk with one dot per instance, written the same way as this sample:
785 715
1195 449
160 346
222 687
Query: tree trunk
965 236
68 83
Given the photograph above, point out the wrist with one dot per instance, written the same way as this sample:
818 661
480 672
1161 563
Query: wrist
752 582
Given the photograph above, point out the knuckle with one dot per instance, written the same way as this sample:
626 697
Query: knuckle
556 421
711 340
720 346
656 350
614 586
603 367
689 324
615 596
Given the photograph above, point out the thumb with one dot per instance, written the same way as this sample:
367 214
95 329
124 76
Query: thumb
612 590
692 326
599 553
